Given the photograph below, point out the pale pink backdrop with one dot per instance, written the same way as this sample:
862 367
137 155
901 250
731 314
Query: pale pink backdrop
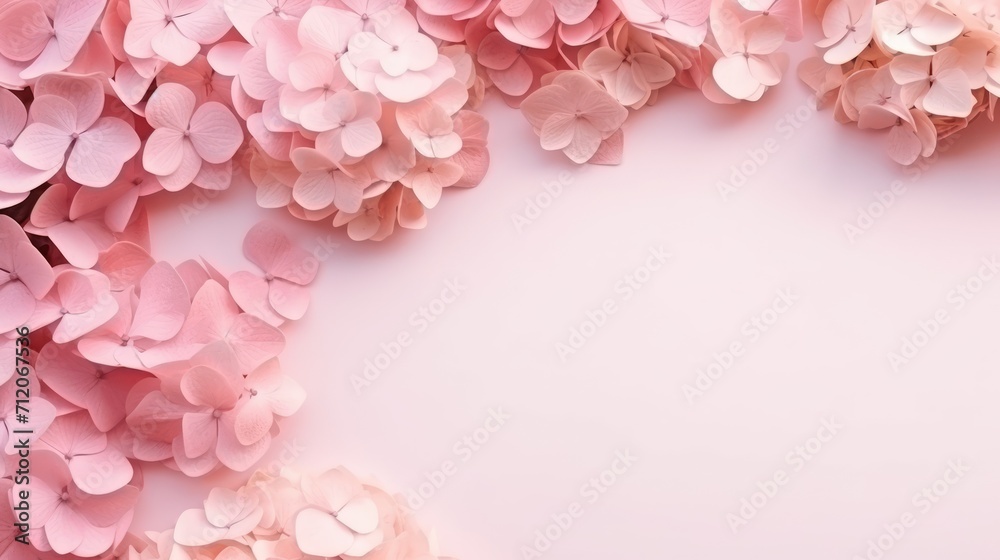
494 347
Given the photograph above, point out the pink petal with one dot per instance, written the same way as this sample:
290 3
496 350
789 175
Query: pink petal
101 473
288 299
124 264
74 21
42 146
171 106
163 304
99 153
17 303
251 293
33 270
319 534
24 31
173 46
254 341
215 132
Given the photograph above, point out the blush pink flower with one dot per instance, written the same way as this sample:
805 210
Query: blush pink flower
429 128
313 77
341 518
747 67
174 30
288 269
684 21
323 183
348 125
936 84
913 27
214 317
396 60
573 114
47 36
96 466
847 27
267 393
213 387
79 302
25 276
18 177
79 237
631 77
74 521
98 389
143 320
514 71
364 223
429 177
66 126
186 136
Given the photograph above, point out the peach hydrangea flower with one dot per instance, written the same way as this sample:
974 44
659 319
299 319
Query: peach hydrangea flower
573 114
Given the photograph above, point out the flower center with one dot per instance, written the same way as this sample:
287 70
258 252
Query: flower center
8 143
63 311
75 135
64 496
125 340
253 392
268 277
216 414
12 277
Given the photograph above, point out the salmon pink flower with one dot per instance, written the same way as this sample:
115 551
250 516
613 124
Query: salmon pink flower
573 114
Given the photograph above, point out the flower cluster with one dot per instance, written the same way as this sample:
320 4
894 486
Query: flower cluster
344 112
359 112
575 67
290 515
112 359
919 69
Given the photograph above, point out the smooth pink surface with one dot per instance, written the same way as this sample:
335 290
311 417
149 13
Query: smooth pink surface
495 345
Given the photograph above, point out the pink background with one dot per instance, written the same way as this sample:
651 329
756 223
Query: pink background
495 345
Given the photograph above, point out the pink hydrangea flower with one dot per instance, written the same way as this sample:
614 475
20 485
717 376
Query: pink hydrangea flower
573 114
74 521
174 30
187 138
66 126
